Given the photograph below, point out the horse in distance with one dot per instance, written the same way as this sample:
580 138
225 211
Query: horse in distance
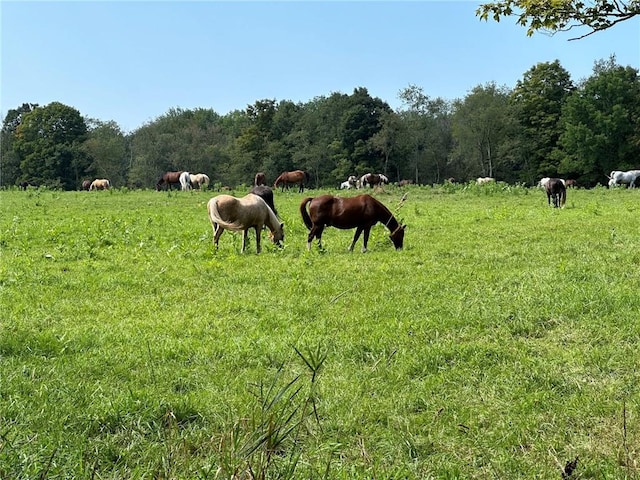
241 214
297 177
259 179
485 180
86 184
556 192
100 184
168 179
628 178
199 180
266 194
185 181
360 212
373 179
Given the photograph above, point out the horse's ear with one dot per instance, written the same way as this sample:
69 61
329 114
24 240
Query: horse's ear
281 224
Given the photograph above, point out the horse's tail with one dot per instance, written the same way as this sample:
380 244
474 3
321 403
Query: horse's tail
563 197
305 215
214 216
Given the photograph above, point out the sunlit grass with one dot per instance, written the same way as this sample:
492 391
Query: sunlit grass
500 343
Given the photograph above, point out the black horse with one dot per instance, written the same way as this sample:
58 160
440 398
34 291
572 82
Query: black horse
266 194
557 191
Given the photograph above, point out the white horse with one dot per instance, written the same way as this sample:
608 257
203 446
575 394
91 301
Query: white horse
251 211
199 179
623 178
185 181
349 182
485 180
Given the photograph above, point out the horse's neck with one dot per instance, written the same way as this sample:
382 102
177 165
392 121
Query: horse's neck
272 221
386 217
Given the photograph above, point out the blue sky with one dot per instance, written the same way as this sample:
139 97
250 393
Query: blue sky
131 62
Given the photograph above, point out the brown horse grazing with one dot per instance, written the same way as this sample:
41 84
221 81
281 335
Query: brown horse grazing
404 183
557 191
296 177
251 211
266 194
373 179
168 179
361 212
570 183
100 184
86 184
260 179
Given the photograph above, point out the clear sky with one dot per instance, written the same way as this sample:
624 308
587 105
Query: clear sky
131 62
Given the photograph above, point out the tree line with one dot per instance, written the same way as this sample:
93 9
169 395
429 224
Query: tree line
548 125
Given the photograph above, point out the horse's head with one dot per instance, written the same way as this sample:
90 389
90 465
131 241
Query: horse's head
397 237
277 235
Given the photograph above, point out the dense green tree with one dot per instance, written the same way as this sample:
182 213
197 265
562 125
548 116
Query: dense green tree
601 123
425 138
106 147
49 142
538 99
562 15
482 122
9 158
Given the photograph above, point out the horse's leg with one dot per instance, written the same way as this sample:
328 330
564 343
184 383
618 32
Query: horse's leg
258 232
316 231
245 235
356 237
366 238
217 233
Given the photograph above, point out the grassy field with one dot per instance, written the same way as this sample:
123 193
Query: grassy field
502 342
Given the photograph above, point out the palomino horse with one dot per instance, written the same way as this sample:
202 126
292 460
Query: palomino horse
360 212
185 181
251 211
100 184
373 179
168 179
198 180
266 194
260 179
557 191
291 178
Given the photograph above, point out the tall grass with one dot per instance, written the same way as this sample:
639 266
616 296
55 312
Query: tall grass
500 343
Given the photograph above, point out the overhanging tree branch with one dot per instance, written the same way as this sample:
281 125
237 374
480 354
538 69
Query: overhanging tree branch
561 15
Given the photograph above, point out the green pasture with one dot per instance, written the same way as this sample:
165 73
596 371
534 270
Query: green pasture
502 342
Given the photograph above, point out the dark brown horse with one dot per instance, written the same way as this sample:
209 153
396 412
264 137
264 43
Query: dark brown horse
266 194
86 184
260 179
25 185
168 179
361 212
291 178
556 191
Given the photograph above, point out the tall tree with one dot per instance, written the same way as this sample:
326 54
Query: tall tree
562 15
106 147
538 99
9 158
48 141
601 123
481 126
